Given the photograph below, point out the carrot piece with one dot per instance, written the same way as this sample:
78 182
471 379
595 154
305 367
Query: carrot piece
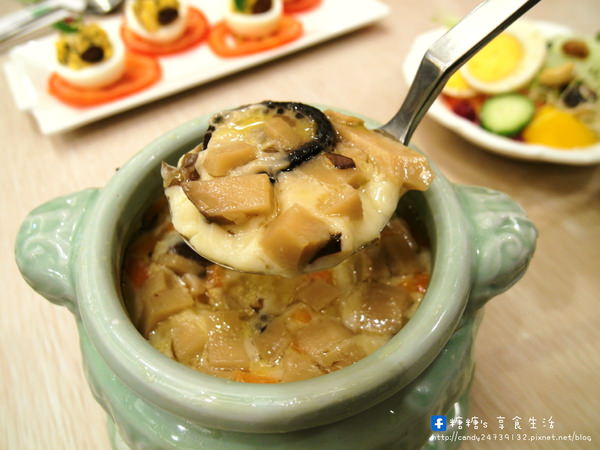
301 315
416 283
296 6
245 377
324 275
214 275
140 73
224 43
195 32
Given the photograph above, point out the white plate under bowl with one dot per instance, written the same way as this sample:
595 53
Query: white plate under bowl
29 65
489 141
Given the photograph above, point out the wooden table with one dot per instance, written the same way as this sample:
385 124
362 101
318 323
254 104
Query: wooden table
538 348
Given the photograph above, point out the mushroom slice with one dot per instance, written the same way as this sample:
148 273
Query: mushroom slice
232 199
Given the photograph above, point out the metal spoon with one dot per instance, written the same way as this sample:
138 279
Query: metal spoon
442 59
40 15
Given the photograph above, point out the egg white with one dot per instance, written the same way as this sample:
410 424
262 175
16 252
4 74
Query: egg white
166 33
534 53
99 74
254 25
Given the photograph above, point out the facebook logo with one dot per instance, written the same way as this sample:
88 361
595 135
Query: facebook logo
438 423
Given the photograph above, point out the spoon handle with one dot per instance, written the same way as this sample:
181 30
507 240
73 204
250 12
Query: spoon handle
447 54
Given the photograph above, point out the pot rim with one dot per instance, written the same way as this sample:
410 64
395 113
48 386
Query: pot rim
229 405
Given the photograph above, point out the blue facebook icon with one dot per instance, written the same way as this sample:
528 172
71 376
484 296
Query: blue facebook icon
438 423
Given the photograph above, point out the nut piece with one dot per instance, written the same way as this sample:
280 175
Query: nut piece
557 76
576 48
295 237
231 199
221 158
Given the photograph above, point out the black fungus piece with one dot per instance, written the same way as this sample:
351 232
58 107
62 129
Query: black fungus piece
333 245
167 16
262 321
93 54
182 249
323 139
340 161
206 140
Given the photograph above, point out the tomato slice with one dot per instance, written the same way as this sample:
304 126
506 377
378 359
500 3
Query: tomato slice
140 72
224 43
194 34
296 6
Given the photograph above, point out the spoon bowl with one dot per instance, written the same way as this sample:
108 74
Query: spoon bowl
196 194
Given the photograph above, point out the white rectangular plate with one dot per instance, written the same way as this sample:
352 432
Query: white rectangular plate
29 65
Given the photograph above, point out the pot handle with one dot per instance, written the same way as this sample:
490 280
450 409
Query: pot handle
503 239
46 246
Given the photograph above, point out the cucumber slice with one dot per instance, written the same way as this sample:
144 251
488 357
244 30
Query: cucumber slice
507 114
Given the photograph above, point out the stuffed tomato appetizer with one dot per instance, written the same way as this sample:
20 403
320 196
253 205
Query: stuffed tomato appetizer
163 27
253 26
92 67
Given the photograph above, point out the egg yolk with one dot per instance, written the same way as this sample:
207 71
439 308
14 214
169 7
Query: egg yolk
458 83
149 12
88 46
498 59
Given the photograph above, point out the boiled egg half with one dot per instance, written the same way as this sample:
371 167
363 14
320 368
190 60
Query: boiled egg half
253 25
90 57
507 63
458 87
157 21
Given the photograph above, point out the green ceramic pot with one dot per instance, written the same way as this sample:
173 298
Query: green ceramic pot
70 251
